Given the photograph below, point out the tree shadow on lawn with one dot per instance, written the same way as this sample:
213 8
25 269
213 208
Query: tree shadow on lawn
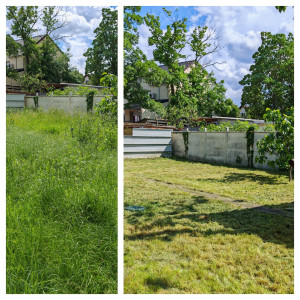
260 179
238 177
270 228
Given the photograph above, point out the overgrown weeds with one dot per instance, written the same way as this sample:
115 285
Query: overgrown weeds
61 203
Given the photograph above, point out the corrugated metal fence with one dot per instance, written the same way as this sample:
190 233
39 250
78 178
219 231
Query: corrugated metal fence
145 142
15 100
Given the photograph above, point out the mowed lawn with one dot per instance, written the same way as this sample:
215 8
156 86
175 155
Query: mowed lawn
61 206
187 243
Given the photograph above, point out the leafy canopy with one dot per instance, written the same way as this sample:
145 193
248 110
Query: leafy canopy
102 56
270 83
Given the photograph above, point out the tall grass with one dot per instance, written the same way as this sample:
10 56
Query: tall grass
61 203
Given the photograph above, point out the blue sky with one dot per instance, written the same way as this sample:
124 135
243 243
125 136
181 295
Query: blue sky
239 29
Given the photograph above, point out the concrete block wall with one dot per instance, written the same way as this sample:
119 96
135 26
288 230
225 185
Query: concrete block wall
67 103
229 148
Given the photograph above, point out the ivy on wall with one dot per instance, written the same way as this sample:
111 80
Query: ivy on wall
250 145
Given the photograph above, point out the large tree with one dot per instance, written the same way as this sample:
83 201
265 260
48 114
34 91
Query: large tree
137 68
270 83
102 56
192 94
24 20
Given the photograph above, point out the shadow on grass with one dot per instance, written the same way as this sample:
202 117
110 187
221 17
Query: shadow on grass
270 228
232 177
158 283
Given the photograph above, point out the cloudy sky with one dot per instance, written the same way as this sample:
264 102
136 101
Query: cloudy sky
239 30
83 20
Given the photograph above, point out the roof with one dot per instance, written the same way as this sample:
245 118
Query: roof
37 39
239 119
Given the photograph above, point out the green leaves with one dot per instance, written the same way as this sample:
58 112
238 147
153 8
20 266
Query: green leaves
271 81
102 56
281 143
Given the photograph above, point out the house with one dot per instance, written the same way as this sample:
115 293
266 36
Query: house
18 63
243 110
135 113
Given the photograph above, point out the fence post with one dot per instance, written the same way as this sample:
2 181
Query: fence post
205 131
70 104
52 106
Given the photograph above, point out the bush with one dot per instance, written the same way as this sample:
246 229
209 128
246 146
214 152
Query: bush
280 143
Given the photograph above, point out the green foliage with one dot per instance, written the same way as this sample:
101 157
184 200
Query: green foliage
131 20
61 208
270 83
107 106
167 43
110 81
281 8
23 20
89 100
102 56
250 145
33 83
235 126
281 143
12 47
79 90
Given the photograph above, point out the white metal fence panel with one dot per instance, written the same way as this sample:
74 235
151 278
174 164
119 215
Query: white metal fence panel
15 100
146 142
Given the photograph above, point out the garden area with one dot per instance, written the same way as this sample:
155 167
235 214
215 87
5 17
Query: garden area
207 228
61 206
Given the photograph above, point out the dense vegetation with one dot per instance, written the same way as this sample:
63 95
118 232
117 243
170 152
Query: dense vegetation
61 203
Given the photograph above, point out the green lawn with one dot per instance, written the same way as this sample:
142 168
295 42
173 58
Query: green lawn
61 205
186 243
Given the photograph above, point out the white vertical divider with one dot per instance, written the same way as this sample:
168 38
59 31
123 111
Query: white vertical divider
120 152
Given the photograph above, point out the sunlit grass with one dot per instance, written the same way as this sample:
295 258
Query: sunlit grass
61 203
183 243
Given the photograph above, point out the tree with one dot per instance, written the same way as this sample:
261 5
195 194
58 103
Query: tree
42 60
12 49
281 8
270 83
102 56
24 20
195 93
281 143
137 68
